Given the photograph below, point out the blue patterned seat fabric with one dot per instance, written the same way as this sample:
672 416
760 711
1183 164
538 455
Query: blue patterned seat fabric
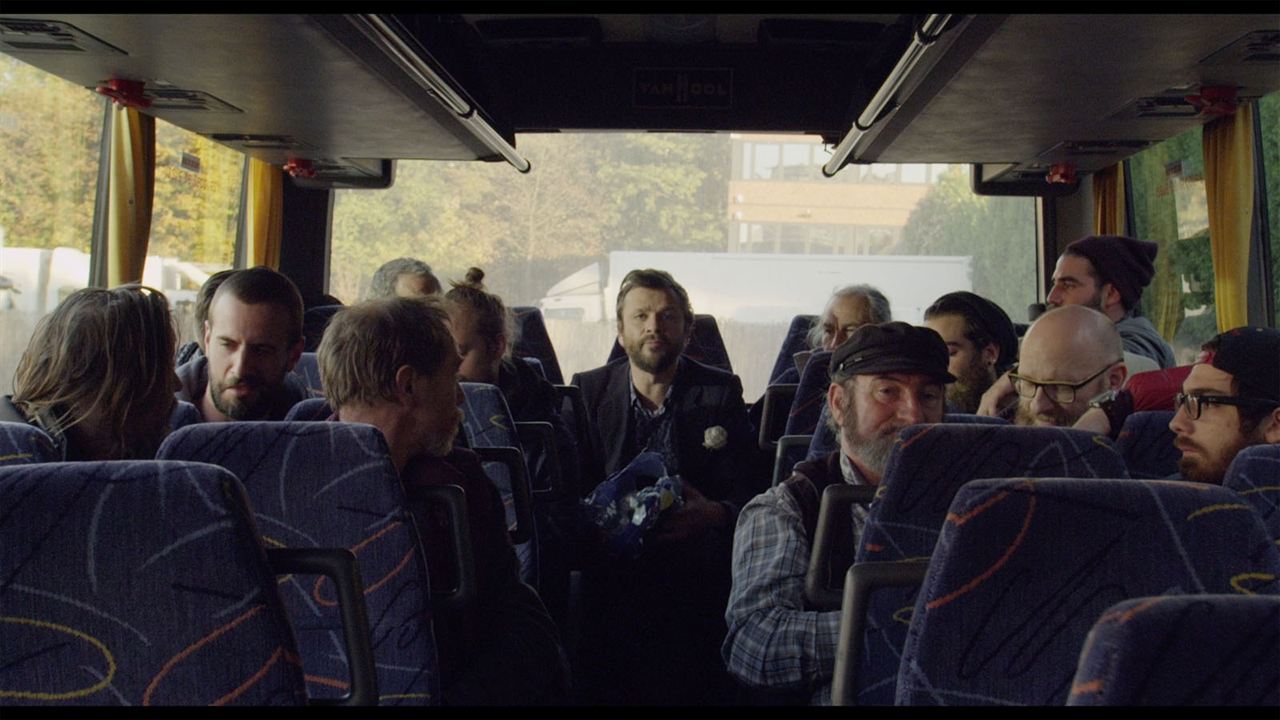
706 345
487 422
1024 567
927 466
332 484
532 341
824 438
308 368
184 414
1255 475
797 339
23 444
309 410
137 583
1183 650
811 395
1146 442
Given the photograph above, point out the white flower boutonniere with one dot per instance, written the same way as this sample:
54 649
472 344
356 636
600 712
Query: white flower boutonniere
715 438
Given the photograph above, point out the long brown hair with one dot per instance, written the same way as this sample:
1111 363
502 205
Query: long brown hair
487 309
100 352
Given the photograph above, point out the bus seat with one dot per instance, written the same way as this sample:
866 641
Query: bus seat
972 419
824 438
184 413
775 406
797 339
489 427
314 321
308 368
1155 389
23 444
138 583
309 410
791 450
1024 568
1255 475
706 345
926 468
1183 650
811 395
533 341
1146 442
333 485
536 364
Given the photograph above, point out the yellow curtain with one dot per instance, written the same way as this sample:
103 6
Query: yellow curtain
131 189
264 215
1228 175
1108 201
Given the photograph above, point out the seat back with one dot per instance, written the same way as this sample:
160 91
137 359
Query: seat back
309 410
532 341
927 467
184 414
314 321
706 345
333 485
309 369
1255 475
811 395
825 442
138 583
487 423
23 444
797 339
1024 567
1146 443
1183 650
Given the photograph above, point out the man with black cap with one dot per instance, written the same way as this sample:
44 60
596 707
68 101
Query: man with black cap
1230 401
884 378
1107 273
981 341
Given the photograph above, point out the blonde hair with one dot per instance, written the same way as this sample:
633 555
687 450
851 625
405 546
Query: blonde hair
489 313
365 344
100 352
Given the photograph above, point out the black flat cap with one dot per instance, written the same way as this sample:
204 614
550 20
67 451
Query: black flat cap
892 347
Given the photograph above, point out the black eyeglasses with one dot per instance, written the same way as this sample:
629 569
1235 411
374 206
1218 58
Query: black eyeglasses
1194 404
1062 393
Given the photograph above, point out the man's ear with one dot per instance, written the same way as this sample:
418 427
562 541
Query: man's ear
837 402
1272 432
1110 296
1117 375
404 380
990 354
500 345
295 352
207 335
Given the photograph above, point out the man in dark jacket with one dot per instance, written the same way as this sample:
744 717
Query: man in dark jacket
652 626
883 379
252 340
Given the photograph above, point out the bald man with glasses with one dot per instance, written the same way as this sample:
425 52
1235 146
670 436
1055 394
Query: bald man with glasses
1069 356
1230 401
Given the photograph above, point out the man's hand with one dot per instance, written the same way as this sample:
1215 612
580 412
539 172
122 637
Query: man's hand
695 517
997 396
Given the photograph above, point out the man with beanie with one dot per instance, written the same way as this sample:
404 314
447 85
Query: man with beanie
884 378
1230 401
981 341
1107 273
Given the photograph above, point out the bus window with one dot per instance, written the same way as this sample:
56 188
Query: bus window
1269 116
745 222
194 217
50 135
1170 208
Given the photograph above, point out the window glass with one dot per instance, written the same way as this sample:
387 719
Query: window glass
1269 116
914 173
1170 208
50 135
194 217
598 205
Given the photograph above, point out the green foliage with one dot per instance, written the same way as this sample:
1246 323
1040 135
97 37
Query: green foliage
997 232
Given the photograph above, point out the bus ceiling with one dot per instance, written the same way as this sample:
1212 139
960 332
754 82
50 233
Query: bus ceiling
1017 94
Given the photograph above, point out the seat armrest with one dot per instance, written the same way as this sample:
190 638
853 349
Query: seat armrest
818 588
521 498
861 579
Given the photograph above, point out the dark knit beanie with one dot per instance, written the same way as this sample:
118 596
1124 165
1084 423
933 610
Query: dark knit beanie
1126 263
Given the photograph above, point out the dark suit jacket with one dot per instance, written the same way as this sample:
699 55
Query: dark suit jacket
703 397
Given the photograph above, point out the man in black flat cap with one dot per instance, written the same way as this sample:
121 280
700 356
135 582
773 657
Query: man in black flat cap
981 341
1230 401
883 378
1107 273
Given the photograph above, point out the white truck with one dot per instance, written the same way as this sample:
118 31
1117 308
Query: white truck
762 288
